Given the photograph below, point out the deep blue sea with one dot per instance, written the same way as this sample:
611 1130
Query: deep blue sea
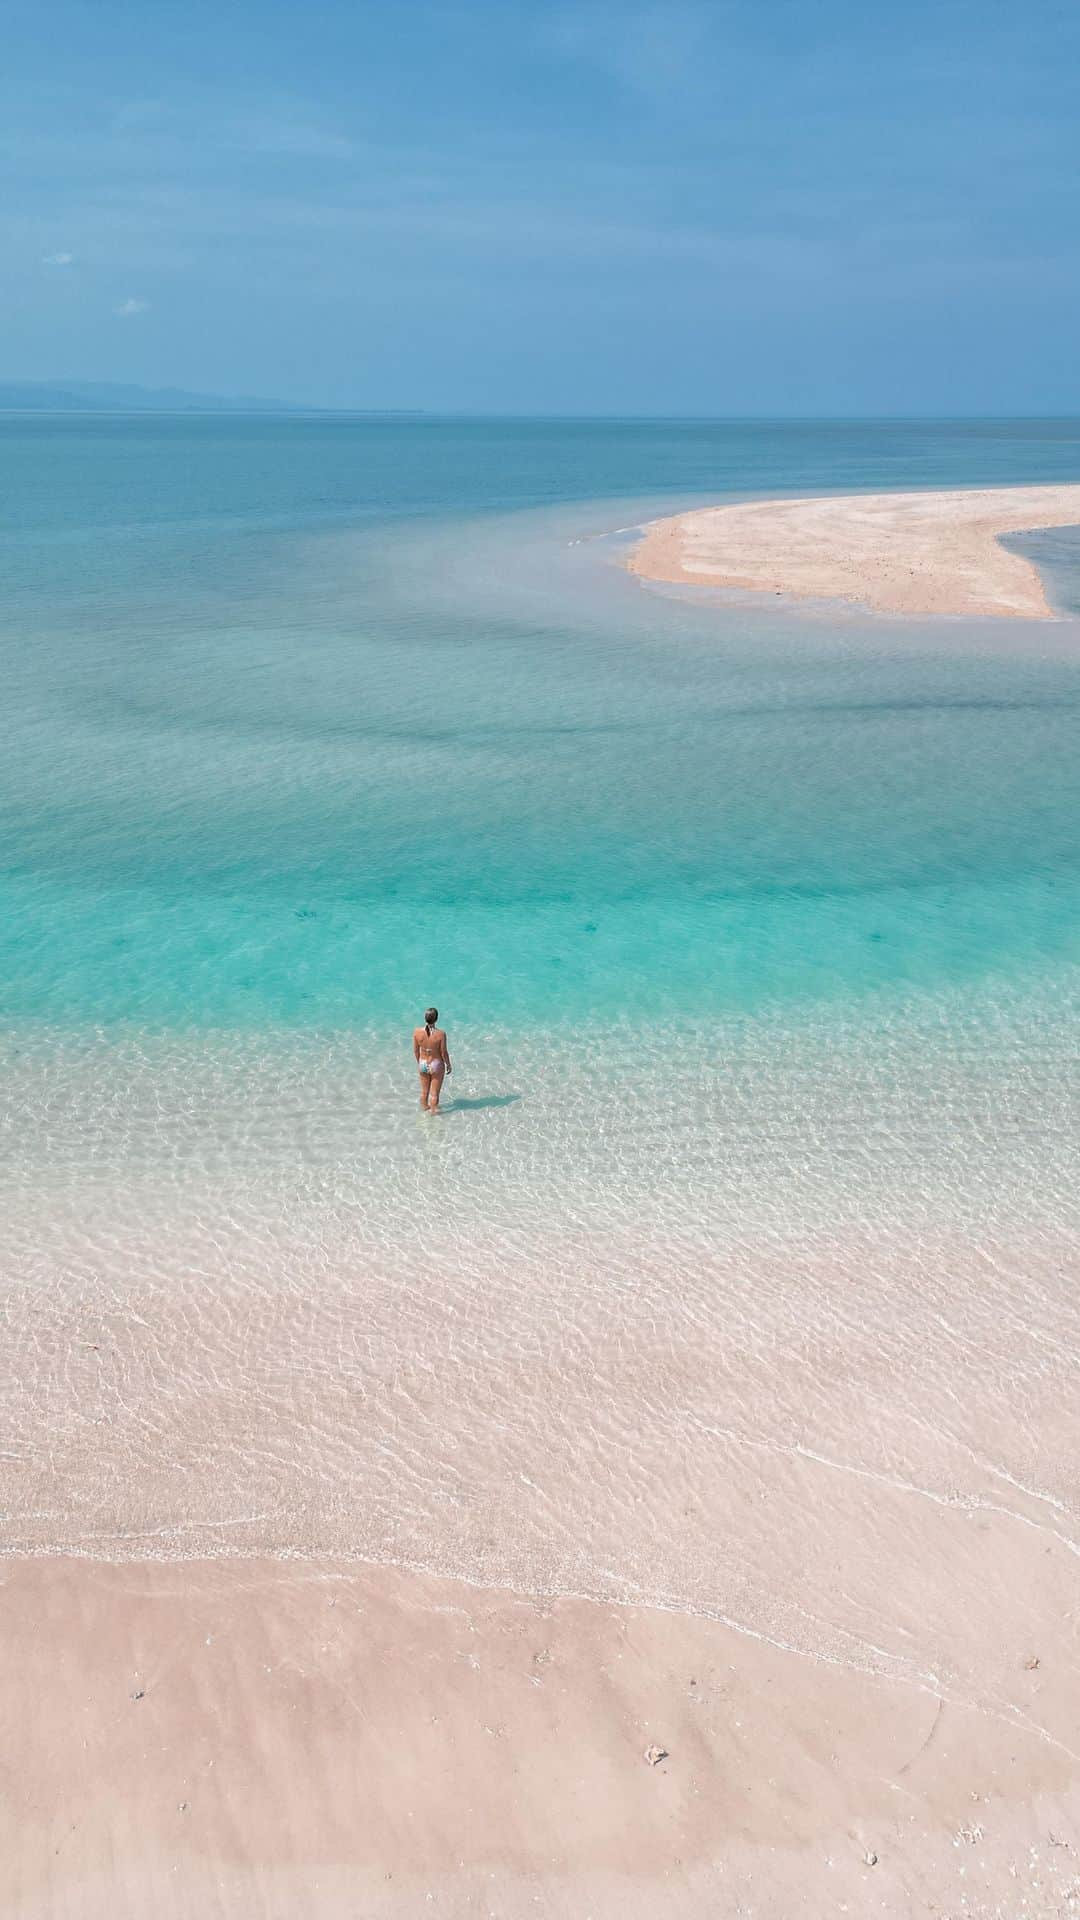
755 930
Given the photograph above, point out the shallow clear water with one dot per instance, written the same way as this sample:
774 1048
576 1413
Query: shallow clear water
756 934
304 728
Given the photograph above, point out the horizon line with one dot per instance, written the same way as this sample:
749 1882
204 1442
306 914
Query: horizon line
286 409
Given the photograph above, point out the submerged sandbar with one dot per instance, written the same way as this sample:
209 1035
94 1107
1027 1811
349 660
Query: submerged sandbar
913 553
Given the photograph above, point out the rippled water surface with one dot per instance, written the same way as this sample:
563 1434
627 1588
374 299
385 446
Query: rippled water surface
743 1261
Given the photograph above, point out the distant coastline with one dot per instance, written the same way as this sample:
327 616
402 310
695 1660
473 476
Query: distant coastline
904 553
78 396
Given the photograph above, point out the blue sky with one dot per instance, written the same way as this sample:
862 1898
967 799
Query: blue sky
756 207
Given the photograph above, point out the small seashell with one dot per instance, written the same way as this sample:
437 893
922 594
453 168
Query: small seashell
655 1754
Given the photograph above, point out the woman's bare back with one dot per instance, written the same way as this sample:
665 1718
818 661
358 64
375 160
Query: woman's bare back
430 1042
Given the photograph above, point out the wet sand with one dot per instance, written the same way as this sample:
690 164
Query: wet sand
242 1737
907 553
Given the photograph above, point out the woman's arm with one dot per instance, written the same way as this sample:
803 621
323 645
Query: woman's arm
446 1055
416 1043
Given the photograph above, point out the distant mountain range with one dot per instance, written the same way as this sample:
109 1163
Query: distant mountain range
102 396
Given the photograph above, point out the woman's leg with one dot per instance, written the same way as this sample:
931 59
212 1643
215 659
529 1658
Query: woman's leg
436 1078
423 1092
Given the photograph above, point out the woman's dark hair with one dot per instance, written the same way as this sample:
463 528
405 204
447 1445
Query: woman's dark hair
430 1018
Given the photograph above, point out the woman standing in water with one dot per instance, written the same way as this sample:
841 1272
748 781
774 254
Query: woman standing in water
433 1059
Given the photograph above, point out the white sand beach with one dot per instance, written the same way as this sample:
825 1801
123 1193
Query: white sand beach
275 1738
907 553
336 1585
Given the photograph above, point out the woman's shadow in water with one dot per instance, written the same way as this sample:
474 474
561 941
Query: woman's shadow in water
465 1104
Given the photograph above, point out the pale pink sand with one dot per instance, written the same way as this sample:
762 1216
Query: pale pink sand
279 1740
914 553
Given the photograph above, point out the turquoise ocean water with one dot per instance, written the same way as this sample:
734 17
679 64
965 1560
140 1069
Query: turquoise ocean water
308 722
755 929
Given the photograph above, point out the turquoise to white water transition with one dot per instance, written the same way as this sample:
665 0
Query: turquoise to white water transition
755 930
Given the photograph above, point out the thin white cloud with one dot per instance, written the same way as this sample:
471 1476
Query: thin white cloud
129 308
135 116
57 259
289 136
657 48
